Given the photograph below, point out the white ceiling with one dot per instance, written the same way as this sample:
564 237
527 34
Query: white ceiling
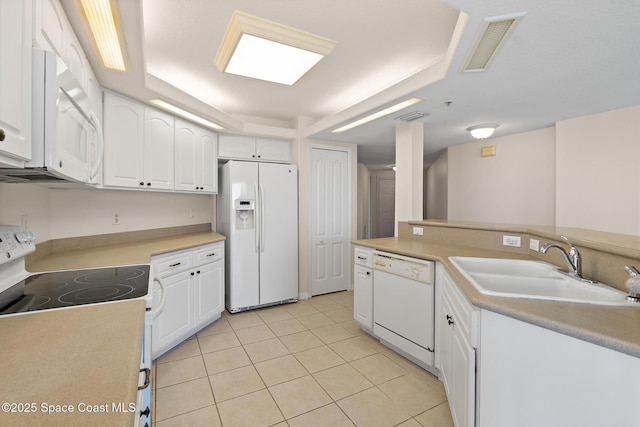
564 59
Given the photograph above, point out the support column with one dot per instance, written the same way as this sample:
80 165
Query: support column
409 171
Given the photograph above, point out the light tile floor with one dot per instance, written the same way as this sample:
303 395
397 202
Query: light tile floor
303 364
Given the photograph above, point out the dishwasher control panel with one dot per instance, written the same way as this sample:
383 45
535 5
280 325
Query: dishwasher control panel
411 268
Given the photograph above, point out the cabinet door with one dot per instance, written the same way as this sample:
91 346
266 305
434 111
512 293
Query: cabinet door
208 162
15 80
176 320
123 142
274 150
158 150
462 380
237 147
186 149
49 23
208 292
196 159
363 296
446 344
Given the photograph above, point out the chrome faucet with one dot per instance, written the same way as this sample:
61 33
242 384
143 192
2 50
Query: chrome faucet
573 258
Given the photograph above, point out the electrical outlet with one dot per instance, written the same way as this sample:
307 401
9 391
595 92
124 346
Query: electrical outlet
116 219
513 241
192 213
534 245
418 231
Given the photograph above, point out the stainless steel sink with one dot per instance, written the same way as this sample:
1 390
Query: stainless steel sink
533 279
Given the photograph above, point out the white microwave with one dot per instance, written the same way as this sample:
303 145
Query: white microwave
67 142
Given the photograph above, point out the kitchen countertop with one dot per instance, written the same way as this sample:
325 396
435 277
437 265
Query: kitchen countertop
616 328
84 357
122 254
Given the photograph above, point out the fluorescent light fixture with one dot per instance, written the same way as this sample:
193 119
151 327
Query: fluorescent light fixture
482 131
265 50
103 22
396 107
182 113
491 36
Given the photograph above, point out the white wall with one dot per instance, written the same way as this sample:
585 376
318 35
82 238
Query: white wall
436 188
517 186
598 172
59 213
410 171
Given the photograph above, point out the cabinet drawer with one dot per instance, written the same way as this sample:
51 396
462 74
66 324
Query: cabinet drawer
209 253
363 256
466 316
171 264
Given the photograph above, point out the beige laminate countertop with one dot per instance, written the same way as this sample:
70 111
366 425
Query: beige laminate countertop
617 328
122 254
82 357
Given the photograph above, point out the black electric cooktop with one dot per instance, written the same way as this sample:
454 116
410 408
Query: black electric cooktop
68 288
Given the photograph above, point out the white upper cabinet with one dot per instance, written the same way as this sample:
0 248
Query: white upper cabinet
158 149
273 150
138 145
49 26
123 142
52 31
150 149
15 82
251 148
195 158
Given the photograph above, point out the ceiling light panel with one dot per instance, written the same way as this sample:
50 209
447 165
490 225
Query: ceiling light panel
265 50
491 36
103 24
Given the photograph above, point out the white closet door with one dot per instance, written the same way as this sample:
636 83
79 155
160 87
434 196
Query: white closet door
329 212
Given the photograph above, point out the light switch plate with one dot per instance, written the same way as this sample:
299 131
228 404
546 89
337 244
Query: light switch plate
534 245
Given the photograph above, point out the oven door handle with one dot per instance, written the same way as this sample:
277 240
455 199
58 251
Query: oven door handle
163 297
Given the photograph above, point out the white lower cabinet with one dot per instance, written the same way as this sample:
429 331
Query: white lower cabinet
194 294
530 376
363 287
457 322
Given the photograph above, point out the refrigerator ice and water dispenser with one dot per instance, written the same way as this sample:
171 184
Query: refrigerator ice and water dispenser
245 218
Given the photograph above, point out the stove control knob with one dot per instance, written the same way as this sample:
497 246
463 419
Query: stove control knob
22 237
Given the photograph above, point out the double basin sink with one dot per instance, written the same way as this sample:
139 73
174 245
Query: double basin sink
533 279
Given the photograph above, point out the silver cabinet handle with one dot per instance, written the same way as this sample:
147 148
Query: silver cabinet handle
212 254
175 265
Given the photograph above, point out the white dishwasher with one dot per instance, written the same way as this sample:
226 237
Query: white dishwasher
404 306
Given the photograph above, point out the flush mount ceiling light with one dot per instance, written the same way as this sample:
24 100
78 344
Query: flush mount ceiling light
482 131
491 36
101 21
265 50
396 107
182 113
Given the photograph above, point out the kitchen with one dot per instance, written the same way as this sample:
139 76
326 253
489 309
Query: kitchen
549 178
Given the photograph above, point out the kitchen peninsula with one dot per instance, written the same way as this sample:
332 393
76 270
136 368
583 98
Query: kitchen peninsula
546 347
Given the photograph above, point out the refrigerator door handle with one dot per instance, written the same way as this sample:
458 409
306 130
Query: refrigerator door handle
261 218
257 215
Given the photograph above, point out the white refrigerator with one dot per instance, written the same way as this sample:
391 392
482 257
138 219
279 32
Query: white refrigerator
257 210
